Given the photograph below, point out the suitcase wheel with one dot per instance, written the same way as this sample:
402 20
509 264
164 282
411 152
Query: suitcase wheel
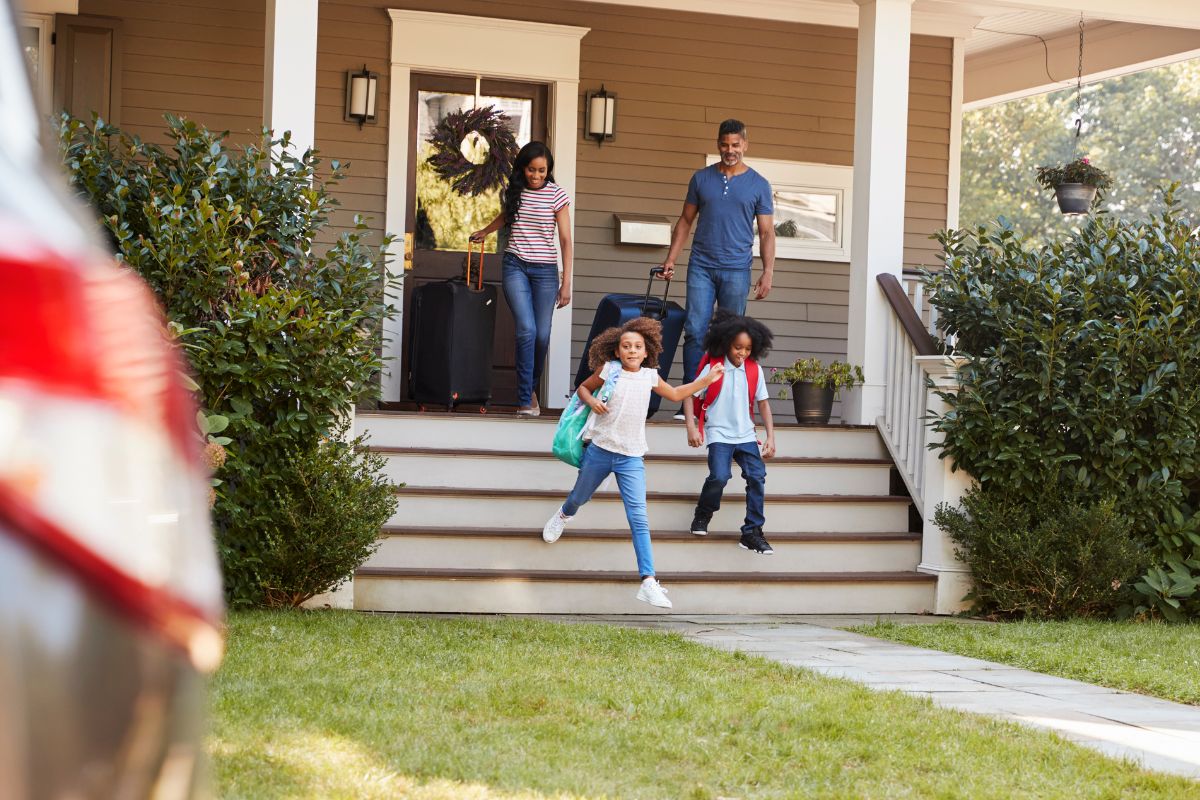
483 409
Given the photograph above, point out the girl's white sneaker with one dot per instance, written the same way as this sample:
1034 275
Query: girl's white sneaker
653 593
554 527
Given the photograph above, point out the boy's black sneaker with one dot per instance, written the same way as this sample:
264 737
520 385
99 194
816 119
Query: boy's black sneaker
700 523
754 540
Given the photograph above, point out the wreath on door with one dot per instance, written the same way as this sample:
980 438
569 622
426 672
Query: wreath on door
474 150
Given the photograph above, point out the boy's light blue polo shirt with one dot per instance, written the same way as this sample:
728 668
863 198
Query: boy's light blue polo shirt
728 419
724 236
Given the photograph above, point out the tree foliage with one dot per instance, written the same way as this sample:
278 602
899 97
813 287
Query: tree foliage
282 338
1084 373
1143 129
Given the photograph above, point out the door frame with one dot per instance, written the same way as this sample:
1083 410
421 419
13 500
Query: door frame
456 44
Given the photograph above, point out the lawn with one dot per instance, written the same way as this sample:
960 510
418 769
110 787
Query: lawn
1150 658
338 704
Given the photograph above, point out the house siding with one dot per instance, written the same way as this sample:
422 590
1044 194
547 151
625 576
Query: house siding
202 59
676 75
793 85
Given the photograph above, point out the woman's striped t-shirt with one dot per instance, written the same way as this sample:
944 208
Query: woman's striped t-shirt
532 235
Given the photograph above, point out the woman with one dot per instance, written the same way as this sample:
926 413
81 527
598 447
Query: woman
534 208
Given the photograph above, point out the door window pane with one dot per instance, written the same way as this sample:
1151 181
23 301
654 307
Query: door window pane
30 46
806 215
446 218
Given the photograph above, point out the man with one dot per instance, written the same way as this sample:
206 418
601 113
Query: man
728 197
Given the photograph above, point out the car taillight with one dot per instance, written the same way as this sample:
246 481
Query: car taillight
99 463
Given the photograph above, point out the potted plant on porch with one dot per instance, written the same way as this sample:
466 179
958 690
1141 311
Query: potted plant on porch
815 385
1075 184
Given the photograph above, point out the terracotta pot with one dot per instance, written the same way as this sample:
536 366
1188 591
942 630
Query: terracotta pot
813 404
1075 198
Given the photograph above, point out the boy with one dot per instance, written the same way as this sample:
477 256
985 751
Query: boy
723 417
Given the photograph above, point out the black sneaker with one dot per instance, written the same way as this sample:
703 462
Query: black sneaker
754 540
700 523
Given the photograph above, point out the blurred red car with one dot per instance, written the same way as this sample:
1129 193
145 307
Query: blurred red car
110 593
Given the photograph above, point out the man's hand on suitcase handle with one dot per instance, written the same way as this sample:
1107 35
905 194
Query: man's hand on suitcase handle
664 271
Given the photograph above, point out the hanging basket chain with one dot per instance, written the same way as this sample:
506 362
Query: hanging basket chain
1078 95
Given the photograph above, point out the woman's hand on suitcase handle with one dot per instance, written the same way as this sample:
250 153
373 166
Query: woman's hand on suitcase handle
479 235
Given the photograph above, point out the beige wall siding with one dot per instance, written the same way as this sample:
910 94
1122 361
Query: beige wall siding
202 59
677 75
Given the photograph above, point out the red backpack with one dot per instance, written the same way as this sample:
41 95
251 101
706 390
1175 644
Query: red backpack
700 404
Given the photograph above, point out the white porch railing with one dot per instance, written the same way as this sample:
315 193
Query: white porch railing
914 288
915 371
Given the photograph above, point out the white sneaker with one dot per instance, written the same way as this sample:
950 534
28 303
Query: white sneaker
653 593
679 415
554 527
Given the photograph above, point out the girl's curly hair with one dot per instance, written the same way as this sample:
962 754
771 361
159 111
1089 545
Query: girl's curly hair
604 346
726 326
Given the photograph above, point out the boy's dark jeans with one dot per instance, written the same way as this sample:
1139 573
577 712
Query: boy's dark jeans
720 469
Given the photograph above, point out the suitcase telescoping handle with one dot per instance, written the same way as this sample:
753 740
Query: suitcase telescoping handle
650 285
479 272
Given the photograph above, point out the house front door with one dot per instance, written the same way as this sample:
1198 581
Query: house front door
441 219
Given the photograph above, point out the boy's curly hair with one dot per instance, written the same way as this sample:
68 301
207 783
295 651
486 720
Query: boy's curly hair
604 346
726 326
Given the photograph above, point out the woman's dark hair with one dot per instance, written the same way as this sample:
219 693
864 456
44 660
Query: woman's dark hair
604 346
516 181
726 326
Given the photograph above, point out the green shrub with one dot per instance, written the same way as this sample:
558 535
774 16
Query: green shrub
1048 557
282 335
1084 372
326 510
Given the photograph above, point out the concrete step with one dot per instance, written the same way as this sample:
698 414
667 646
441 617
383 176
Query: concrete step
675 551
519 470
440 507
534 434
572 592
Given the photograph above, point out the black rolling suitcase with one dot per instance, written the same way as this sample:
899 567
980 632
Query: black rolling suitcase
451 331
617 309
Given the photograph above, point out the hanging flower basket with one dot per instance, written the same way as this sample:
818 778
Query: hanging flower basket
1077 185
474 150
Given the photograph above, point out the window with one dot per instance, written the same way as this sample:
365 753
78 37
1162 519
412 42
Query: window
812 208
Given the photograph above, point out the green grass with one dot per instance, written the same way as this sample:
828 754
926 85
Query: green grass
1150 658
337 704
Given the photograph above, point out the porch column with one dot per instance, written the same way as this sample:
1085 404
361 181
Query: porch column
880 149
290 70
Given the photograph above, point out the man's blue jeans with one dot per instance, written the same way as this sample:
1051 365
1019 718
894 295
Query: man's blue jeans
631 480
727 288
720 469
531 289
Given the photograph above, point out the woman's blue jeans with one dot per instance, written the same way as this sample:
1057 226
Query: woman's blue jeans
596 465
531 289
726 288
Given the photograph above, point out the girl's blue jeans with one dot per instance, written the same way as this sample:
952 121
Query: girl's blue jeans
531 289
596 465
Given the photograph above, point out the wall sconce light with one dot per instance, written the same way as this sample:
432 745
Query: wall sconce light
360 96
601 119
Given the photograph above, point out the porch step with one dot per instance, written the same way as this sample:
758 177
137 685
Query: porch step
674 551
518 470
534 434
612 592
431 506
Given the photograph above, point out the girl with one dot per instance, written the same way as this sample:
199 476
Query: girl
625 358
534 205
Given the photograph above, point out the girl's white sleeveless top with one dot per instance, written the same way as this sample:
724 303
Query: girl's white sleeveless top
623 429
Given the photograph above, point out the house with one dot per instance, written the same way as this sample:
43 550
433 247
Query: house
854 111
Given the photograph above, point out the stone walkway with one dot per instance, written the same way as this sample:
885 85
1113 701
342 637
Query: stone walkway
1157 734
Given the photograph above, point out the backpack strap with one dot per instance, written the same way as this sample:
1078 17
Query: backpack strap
700 404
752 370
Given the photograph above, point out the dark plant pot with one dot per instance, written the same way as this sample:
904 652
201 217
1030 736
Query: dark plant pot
813 404
1075 198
